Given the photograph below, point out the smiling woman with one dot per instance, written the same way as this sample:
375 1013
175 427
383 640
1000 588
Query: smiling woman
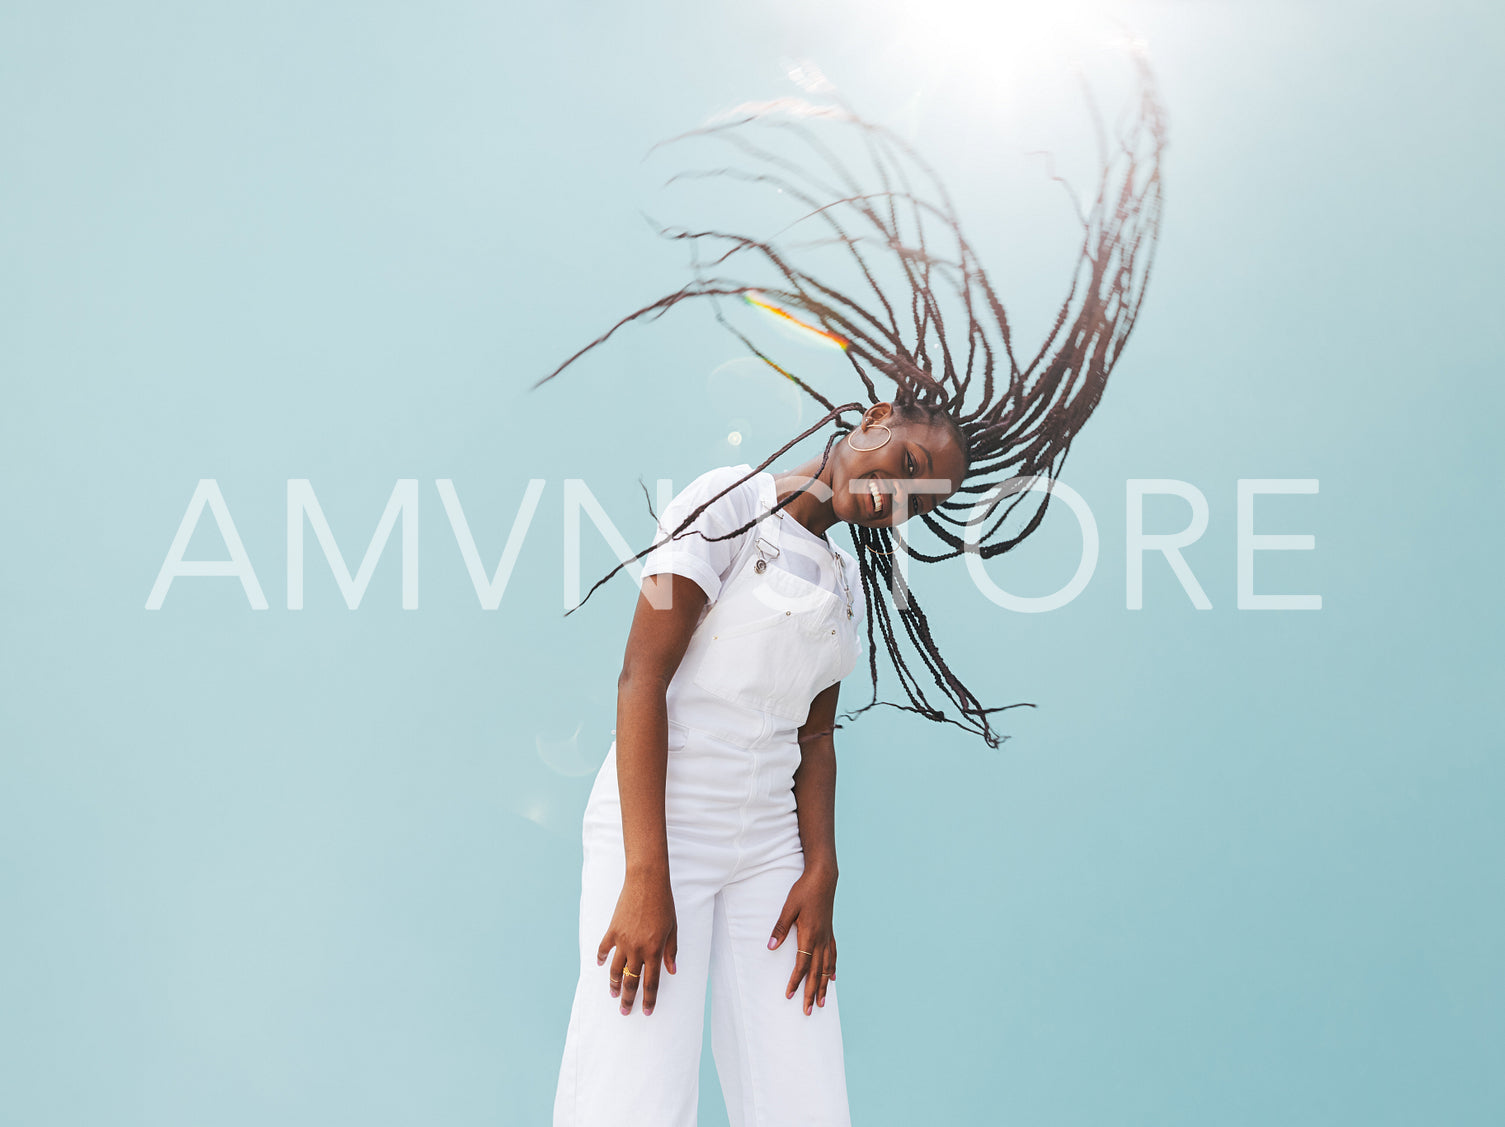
712 818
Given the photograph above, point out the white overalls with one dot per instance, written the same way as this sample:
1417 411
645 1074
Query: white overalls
761 652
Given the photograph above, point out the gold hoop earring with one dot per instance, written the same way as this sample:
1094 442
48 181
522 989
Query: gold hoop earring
887 434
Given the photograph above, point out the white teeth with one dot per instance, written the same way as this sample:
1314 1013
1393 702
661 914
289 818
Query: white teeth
872 487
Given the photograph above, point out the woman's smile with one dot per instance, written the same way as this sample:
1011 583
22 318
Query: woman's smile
873 503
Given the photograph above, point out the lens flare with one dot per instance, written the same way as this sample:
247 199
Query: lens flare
753 297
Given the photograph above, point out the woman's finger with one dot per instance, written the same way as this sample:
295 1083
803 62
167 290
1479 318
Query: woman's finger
782 925
825 974
802 957
812 979
650 983
632 976
614 977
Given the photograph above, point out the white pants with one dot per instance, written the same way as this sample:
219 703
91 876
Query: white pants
734 853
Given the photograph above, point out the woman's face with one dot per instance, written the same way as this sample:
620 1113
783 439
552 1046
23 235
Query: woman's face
916 467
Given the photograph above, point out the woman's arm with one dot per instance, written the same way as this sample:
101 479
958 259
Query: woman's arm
643 928
815 785
811 900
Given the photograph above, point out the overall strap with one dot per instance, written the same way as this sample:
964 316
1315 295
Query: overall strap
764 534
771 526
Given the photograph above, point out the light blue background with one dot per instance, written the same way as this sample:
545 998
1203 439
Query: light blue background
322 866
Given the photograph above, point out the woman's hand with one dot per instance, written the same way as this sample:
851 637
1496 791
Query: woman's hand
645 933
808 908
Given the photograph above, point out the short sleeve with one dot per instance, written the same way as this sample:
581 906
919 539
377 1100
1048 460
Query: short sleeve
697 553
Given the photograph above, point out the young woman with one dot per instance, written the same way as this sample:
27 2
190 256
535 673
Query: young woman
709 848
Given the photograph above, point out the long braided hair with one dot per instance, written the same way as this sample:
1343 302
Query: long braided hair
938 334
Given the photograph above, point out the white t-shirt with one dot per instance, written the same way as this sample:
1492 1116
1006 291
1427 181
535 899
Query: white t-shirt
709 561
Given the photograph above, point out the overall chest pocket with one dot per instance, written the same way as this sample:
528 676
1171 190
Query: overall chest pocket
766 645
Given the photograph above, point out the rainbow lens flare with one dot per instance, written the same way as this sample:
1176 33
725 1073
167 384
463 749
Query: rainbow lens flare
755 297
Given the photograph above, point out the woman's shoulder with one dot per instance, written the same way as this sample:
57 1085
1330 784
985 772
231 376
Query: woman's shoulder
741 495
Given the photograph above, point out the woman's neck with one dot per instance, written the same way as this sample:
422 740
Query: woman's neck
809 508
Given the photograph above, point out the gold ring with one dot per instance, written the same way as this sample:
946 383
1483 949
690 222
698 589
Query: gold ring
802 952
626 971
